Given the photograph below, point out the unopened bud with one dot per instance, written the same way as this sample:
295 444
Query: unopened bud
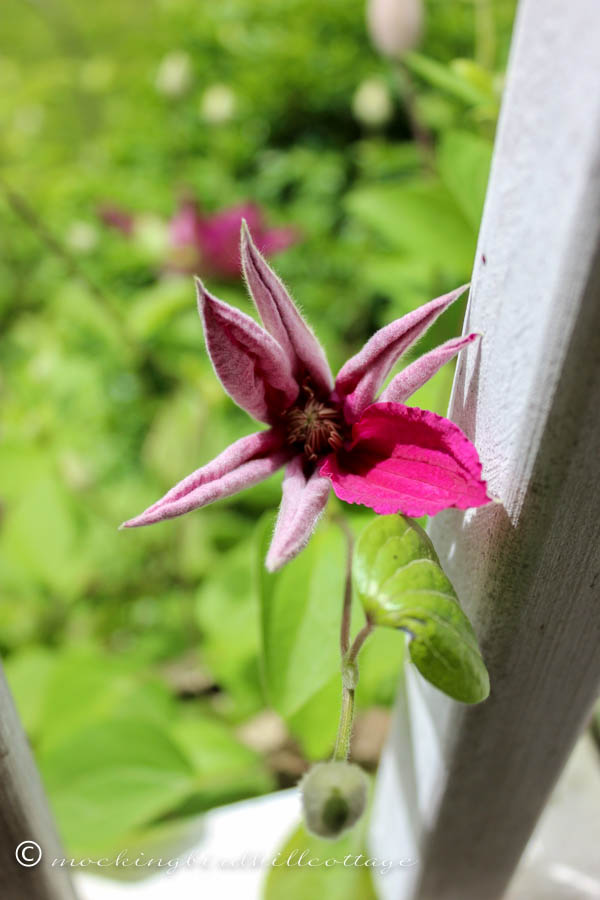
334 797
372 104
394 25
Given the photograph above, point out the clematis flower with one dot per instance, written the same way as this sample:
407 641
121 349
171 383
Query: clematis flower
211 244
371 450
207 244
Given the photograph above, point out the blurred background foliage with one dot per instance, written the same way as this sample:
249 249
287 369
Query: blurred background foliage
135 658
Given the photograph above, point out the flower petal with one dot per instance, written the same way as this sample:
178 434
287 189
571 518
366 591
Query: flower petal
406 460
303 501
250 364
421 370
273 240
282 319
360 378
244 463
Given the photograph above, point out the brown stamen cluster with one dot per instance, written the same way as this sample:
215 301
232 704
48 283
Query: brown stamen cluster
316 426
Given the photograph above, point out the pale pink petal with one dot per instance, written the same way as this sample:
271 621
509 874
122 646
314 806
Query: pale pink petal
303 501
250 364
360 378
282 319
421 370
244 463
184 227
406 460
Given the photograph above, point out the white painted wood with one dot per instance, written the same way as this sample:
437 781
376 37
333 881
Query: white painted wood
528 569
24 817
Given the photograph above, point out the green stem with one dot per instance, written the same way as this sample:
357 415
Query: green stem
348 654
359 640
485 34
344 735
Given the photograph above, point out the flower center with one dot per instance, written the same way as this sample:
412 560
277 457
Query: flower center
315 426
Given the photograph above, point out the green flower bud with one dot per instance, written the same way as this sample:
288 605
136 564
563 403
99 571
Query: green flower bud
334 797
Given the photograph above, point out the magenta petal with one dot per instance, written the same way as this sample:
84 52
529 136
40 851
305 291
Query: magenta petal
303 501
406 460
360 378
421 370
282 319
244 463
250 364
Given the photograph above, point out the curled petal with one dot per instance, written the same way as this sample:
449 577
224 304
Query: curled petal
421 370
407 460
303 501
361 377
250 364
244 463
282 319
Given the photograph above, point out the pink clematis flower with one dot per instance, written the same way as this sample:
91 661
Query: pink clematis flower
211 244
376 452
207 244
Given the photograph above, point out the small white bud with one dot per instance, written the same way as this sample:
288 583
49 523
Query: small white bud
372 104
217 104
174 75
334 797
395 26
151 235
82 237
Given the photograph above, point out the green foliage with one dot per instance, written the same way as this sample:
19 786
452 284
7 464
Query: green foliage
401 584
300 638
107 396
293 879
117 757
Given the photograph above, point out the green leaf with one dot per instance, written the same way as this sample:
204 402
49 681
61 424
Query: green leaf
226 611
109 778
85 687
293 879
300 616
26 671
315 724
226 770
401 584
464 161
448 79
421 218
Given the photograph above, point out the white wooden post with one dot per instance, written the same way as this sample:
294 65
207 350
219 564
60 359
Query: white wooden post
25 821
461 788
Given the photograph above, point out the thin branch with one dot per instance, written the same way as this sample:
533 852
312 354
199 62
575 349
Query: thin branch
347 606
359 640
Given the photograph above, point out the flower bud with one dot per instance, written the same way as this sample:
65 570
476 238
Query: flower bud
175 74
334 797
394 25
372 104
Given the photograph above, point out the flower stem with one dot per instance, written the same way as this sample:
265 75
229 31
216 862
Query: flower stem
347 605
342 743
359 640
348 654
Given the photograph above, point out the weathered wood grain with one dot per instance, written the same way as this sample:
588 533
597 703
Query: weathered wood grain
24 816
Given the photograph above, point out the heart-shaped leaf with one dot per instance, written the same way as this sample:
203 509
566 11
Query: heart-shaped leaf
401 584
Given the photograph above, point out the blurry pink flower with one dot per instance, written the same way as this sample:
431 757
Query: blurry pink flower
211 245
208 244
115 217
380 453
